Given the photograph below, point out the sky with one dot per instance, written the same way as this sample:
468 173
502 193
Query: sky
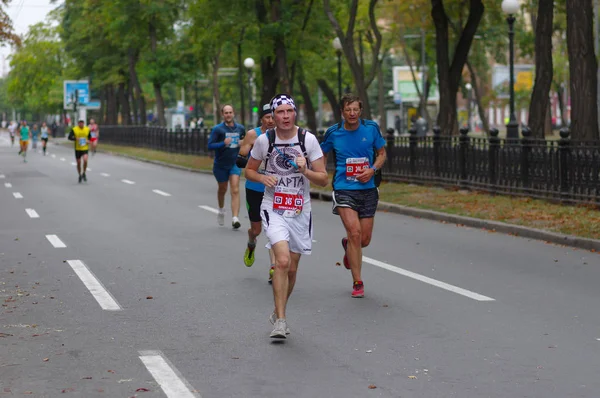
23 13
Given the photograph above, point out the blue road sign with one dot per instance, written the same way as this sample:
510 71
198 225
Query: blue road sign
83 93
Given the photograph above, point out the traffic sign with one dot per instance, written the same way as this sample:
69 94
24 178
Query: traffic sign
82 87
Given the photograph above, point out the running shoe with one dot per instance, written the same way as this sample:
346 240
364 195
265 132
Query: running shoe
273 319
249 255
279 330
80 178
221 218
358 289
345 246
84 177
235 223
271 272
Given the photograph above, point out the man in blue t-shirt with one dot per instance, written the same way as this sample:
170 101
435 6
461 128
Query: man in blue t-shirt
354 142
256 190
225 141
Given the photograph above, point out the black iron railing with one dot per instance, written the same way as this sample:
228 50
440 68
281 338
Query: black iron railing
564 170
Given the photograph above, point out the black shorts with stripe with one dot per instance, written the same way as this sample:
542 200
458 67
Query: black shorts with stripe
363 201
253 202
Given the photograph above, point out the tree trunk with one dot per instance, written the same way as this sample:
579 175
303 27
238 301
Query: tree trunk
111 105
268 67
583 69
449 73
309 109
349 50
132 103
280 51
139 94
124 104
160 102
331 97
560 91
540 100
481 110
215 88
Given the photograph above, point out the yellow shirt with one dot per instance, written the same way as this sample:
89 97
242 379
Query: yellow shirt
81 138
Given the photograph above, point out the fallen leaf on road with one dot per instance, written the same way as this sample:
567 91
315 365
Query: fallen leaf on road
111 371
46 359
372 386
67 390
142 389
87 378
338 264
385 305
412 377
235 357
149 298
27 392
5 335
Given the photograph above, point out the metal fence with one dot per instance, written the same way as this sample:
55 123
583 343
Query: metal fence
564 170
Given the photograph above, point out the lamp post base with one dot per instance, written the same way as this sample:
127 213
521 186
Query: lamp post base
512 130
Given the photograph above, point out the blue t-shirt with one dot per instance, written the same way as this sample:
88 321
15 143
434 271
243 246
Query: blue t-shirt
225 156
255 186
353 151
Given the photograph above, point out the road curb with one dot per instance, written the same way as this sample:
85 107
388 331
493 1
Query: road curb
496 226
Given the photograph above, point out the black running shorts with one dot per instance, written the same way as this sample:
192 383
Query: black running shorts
253 202
79 154
363 201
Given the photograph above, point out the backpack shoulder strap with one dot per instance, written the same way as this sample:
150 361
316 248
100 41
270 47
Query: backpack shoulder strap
302 140
271 136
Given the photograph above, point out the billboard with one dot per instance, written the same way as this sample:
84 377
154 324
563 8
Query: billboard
524 75
404 84
83 93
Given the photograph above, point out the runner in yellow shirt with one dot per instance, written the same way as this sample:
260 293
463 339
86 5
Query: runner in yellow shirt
81 135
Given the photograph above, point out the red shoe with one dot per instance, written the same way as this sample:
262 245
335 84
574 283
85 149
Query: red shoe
345 246
358 289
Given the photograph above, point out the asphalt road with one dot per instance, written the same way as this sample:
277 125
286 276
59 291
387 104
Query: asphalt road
125 286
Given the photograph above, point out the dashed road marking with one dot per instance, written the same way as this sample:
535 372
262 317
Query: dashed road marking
105 174
166 375
102 296
158 191
425 279
32 213
17 195
208 208
8 185
55 241
128 182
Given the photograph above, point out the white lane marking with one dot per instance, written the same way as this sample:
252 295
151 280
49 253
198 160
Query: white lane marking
166 375
8 185
2 176
158 191
105 174
17 195
62 159
208 208
314 241
102 296
56 242
53 156
88 169
73 164
32 213
128 182
425 279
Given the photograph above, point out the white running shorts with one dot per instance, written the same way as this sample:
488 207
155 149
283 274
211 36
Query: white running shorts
297 231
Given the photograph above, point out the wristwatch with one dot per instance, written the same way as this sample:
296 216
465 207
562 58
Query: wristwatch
374 168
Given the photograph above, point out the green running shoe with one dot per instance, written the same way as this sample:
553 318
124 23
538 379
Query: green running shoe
249 255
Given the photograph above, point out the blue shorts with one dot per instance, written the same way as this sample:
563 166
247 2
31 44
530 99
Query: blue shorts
222 175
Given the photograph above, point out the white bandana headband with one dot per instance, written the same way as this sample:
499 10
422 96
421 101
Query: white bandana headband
282 99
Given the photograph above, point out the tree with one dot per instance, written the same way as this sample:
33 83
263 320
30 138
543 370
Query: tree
450 71
362 81
583 67
539 105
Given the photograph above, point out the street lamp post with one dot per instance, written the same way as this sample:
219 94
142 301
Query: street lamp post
469 88
337 45
510 8
249 64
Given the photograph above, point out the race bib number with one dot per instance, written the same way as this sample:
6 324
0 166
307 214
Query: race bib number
93 135
82 142
288 201
355 166
235 139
